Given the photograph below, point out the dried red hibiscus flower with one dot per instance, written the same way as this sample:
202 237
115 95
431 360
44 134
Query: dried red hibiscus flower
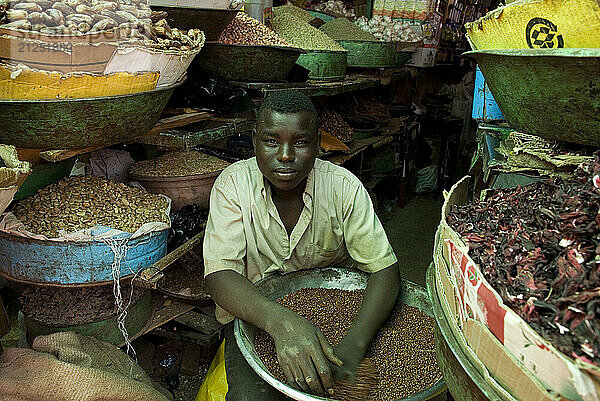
539 247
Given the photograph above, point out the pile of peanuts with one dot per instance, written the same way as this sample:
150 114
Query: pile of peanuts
130 19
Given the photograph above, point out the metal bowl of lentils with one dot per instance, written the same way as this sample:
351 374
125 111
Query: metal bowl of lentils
334 286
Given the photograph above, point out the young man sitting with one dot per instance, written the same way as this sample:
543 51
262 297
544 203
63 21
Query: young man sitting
282 211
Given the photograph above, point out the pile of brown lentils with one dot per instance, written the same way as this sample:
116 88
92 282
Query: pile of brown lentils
178 164
77 203
403 351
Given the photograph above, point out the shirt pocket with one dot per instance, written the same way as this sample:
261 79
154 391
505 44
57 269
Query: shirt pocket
326 256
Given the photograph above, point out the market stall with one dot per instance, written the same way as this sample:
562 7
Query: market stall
118 117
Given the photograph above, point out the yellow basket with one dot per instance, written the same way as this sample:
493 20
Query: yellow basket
538 24
21 82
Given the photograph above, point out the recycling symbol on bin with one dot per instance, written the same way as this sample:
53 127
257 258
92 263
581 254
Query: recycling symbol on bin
543 34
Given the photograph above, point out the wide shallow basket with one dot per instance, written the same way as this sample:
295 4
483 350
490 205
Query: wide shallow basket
80 123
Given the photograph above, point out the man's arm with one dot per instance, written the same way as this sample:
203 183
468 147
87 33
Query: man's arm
379 300
302 350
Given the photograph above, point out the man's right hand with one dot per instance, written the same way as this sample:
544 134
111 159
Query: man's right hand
302 350
303 353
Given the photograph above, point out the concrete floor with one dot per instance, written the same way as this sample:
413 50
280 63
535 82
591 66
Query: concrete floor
411 232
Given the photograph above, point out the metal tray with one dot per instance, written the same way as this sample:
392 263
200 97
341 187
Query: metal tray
276 286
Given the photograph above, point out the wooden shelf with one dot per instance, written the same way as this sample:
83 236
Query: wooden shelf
196 134
351 83
358 146
150 276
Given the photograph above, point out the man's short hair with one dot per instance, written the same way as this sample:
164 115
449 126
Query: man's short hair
288 101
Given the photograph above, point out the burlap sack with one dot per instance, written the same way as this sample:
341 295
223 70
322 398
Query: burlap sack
68 366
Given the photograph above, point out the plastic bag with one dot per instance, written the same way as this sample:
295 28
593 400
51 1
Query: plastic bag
214 387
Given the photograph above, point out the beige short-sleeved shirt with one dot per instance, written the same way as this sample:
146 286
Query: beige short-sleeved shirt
337 226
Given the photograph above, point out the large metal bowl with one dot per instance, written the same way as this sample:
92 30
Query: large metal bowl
81 123
277 286
247 63
552 93
325 64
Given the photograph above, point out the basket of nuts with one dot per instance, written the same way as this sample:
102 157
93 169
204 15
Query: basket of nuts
83 230
186 177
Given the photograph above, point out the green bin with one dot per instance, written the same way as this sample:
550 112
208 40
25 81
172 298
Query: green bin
324 64
369 54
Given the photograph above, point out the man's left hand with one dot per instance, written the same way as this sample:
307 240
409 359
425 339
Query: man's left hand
351 355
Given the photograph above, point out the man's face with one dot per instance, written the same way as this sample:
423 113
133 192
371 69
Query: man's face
286 146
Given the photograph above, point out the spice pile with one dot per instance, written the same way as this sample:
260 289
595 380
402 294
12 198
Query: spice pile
301 34
332 123
336 7
404 347
360 111
245 30
343 29
78 203
178 164
73 306
295 11
539 246
388 30
132 20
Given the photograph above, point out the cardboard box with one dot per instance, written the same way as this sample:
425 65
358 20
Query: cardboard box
423 57
538 24
504 374
77 53
474 298
171 65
